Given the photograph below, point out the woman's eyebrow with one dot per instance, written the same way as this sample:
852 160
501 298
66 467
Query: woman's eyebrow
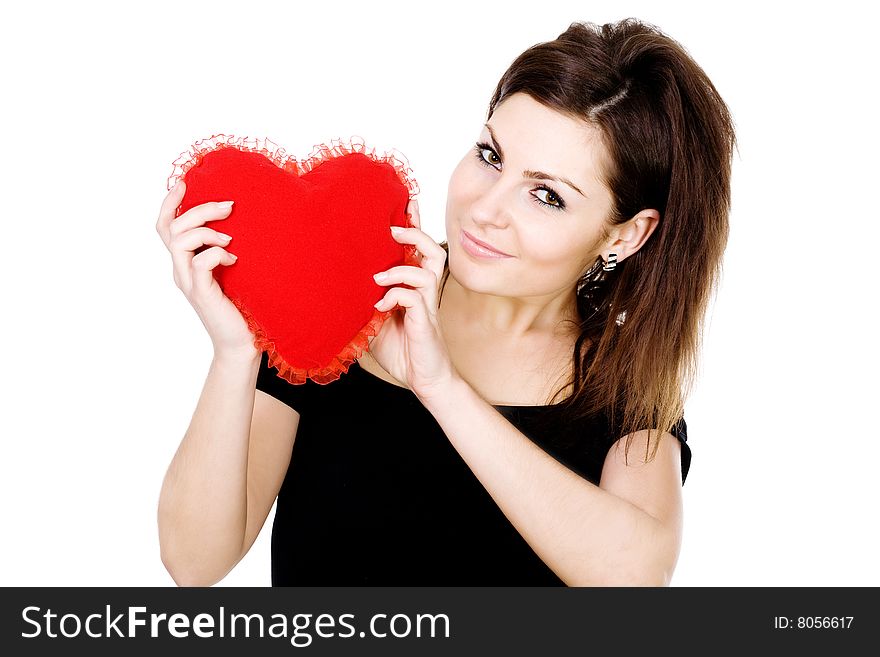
528 173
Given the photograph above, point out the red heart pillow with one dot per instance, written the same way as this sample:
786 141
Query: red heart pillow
309 236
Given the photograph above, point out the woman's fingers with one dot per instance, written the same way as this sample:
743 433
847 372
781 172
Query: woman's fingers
434 256
193 272
415 305
413 210
424 281
183 235
425 278
168 210
202 266
415 276
198 215
168 225
182 249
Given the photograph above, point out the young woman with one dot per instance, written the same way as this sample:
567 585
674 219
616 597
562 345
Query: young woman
519 419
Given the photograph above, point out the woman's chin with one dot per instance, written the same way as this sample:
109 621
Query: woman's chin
471 275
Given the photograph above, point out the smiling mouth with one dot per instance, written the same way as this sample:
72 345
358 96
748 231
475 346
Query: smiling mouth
480 249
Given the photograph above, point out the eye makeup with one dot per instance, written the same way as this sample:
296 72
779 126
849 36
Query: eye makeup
554 201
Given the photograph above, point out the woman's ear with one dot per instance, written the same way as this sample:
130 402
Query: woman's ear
627 238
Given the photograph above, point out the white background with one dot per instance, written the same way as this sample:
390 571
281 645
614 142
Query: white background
103 359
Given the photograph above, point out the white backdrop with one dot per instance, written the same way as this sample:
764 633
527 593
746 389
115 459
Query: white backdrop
103 359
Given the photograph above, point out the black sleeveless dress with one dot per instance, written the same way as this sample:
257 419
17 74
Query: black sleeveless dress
376 495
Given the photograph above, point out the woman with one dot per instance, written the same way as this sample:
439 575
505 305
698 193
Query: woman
486 437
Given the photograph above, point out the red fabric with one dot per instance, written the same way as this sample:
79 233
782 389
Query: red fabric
309 236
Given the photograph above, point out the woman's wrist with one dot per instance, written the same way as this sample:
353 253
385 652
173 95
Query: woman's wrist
445 395
247 354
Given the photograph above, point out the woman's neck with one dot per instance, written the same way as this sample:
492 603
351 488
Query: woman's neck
508 318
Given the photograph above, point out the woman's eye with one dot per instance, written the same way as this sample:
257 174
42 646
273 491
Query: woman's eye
486 156
551 199
489 156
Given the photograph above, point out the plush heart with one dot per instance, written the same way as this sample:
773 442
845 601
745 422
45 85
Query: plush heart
309 235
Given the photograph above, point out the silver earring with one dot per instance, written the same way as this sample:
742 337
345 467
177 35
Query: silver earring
611 263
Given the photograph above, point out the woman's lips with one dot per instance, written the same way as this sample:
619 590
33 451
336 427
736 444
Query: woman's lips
480 249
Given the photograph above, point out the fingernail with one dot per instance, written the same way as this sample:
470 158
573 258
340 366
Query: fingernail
381 276
234 257
397 229
379 303
225 204
224 237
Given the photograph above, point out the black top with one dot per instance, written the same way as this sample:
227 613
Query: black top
376 495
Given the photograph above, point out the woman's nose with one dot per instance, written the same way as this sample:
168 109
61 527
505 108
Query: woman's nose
491 207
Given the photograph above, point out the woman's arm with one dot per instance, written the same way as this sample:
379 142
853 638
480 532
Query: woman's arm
225 475
624 532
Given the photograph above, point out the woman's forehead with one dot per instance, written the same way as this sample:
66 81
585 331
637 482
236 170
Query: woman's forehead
535 137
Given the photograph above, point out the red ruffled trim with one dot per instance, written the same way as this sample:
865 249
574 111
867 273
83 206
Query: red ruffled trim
320 153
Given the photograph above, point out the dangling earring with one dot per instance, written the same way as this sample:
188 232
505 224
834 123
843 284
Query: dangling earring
611 263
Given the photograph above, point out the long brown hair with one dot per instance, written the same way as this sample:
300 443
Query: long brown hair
669 137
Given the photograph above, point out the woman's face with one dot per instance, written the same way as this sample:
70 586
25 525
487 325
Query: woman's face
542 233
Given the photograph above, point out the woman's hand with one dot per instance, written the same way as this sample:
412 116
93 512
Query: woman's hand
410 345
193 273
